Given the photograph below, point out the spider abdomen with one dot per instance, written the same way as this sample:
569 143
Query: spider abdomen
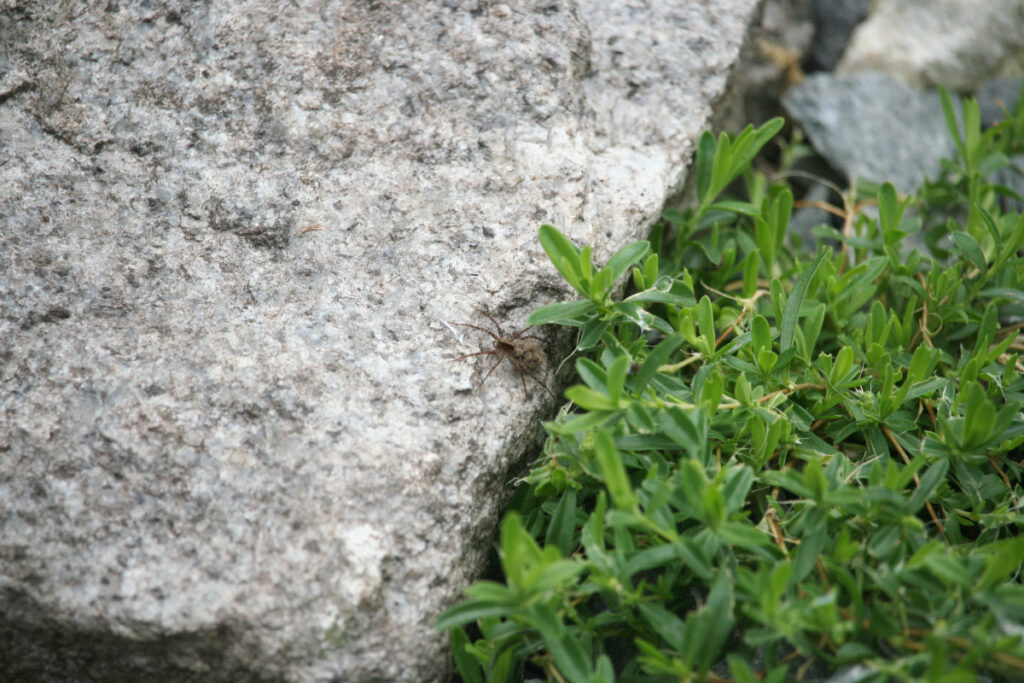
529 353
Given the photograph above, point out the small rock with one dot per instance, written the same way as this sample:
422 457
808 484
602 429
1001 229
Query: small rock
869 126
996 97
956 43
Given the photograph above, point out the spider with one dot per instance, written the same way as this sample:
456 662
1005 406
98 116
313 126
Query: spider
523 351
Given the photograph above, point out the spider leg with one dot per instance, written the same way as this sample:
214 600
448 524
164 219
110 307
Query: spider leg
481 329
491 318
496 364
537 380
478 353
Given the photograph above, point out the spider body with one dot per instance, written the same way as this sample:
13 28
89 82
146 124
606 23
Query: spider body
522 350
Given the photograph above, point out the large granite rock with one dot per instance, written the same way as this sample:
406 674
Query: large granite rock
234 237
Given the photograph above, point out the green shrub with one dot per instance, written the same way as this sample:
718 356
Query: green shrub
779 464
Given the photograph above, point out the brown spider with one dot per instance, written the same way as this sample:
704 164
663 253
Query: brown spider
523 351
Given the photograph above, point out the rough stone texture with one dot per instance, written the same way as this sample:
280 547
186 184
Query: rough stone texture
956 43
871 127
233 235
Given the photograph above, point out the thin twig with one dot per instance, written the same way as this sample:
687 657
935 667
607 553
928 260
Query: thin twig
917 481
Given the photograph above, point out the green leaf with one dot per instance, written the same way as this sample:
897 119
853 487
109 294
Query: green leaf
493 592
564 256
601 285
706 322
760 334
736 488
740 670
743 208
969 247
812 544
665 624
795 301
621 261
750 266
593 375
617 377
951 123
714 622
615 479
889 208
555 574
519 552
560 312
705 159
469 611
588 399
655 359
568 654
930 482
562 528
711 392
744 535
467 665
1002 558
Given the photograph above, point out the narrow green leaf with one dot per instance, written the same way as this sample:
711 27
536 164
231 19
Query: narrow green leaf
562 528
717 621
1002 558
655 359
812 544
626 257
969 247
665 624
617 377
750 266
469 611
744 535
705 159
930 482
706 321
554 575
588 399
568 654
951 123
466 664
760 335
601 285
593 375
736 488
560 312
796 300
615 479
743 208
740 670
493 592
564 256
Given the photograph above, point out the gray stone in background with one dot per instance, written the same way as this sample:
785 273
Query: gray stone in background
834 21
996 97
233 238
871 127
927 43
